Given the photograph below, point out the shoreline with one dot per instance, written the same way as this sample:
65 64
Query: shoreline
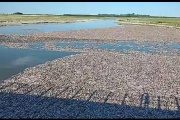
146 24
3 24
138 33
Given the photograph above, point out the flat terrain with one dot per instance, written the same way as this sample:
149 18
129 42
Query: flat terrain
169 22
38 19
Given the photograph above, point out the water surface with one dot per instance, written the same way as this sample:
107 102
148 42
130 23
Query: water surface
51 27
148 47
13 61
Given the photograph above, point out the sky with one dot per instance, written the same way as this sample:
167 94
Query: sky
169 9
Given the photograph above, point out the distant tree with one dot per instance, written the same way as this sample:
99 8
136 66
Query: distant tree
18 13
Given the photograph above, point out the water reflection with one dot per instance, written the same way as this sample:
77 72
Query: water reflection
25 61
13 61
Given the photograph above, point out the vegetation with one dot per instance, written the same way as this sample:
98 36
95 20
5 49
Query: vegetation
15 19
109 15
120 15
26 17
18 13
21 18
151 21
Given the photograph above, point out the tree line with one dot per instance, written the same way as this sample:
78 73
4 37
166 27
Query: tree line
98 15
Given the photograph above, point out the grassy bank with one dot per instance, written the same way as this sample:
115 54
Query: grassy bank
171 22
35 19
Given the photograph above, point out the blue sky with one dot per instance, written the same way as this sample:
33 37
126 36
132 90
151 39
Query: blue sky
171 9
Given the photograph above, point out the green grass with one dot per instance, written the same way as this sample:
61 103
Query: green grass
158 21
13 19
22 18
36 19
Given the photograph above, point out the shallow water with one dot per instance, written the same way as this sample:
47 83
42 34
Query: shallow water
149 47
13 61
42 28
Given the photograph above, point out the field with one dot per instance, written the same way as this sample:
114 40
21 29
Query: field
174 22
27 19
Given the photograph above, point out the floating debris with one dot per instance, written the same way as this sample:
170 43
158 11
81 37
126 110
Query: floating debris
132 73
98 83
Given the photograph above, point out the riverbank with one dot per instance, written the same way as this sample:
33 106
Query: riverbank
42 22
133 23
10 20
164 22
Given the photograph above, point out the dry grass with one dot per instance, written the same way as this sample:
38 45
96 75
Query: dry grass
175 22
29 19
